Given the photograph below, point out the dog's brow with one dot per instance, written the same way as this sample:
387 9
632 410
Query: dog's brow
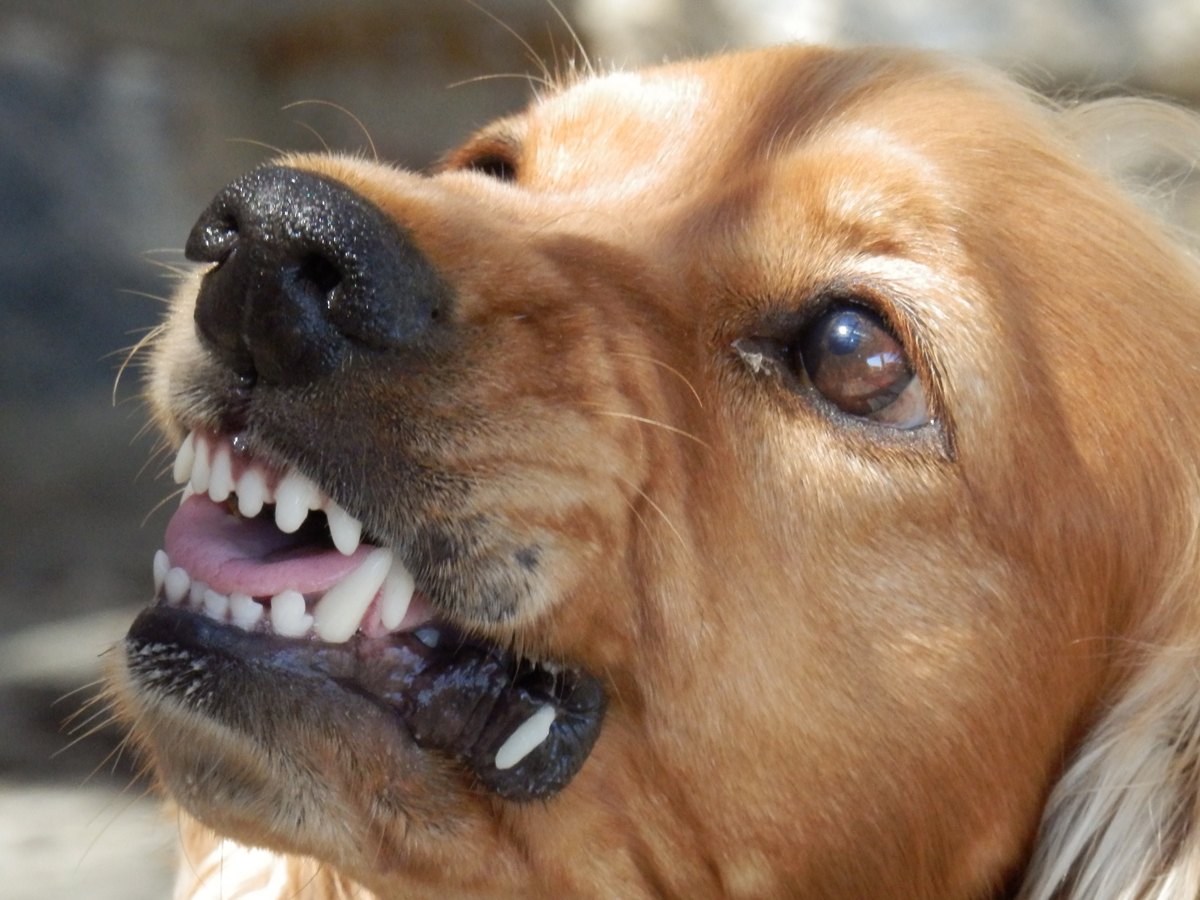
623 123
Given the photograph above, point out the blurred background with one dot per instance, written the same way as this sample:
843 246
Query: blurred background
119 119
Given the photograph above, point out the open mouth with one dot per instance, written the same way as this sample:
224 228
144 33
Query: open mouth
261 565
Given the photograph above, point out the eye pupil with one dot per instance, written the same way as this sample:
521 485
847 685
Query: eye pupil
845 334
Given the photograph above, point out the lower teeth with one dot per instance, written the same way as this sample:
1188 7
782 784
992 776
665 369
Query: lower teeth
522 730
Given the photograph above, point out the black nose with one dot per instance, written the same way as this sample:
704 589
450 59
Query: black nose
306 270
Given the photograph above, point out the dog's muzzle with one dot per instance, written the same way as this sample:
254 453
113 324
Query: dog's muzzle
265 578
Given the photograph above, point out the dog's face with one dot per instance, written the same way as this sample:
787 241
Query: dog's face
775 444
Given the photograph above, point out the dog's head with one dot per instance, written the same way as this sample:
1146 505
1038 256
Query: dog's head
793 456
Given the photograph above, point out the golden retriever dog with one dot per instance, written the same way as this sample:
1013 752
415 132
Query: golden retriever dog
773 476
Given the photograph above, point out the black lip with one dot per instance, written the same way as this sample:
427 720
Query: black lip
461 698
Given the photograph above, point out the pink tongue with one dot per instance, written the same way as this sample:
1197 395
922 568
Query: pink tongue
250 556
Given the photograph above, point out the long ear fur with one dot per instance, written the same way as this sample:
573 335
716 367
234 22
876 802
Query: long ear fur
1123 823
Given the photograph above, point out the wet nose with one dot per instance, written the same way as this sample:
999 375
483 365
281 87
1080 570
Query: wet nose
306 271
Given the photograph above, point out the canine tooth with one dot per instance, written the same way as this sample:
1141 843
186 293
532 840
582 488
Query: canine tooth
288 617
220 477
428 635
162 565
187 492
200 467
527 737
337 615
251 492
244 611
294 497
184 459
176 585
397 594
345 530
216 606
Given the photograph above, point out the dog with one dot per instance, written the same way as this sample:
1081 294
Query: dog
768 476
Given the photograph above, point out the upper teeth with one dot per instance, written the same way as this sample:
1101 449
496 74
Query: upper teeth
207 465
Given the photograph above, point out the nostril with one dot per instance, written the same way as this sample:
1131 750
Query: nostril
213 238
320 272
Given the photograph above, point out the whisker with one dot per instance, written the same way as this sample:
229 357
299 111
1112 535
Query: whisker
130 292
145 340
112 821
253 143
161 503
669 368
68 724
75 727
655 423
87 734
355 119
546 78
119 751
501 76
587 60
658 509
180 270
83 687
183 846
315 133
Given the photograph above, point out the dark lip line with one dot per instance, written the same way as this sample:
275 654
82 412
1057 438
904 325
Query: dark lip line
464 702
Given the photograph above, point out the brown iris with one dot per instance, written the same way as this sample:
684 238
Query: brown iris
855 362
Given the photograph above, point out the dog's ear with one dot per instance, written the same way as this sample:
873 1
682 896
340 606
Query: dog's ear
1147 146
1123 822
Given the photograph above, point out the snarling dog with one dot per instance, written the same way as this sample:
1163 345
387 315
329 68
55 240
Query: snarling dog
771 476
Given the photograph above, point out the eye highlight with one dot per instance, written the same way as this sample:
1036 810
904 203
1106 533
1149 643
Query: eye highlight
852 359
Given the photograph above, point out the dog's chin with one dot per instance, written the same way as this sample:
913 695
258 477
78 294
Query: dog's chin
258 746
352 740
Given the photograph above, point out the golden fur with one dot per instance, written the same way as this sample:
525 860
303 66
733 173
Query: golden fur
841 662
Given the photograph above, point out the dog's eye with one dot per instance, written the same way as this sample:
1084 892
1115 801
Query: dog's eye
855 362
494 165
495 157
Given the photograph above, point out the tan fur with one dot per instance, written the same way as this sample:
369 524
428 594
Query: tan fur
838 666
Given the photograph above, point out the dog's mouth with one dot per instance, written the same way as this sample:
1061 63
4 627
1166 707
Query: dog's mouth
262 569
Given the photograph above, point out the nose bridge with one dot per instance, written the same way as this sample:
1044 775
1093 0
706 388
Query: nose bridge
305 270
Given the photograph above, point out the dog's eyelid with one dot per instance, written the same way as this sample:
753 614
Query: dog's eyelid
496 155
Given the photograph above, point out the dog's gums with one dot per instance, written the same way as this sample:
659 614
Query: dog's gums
780 468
